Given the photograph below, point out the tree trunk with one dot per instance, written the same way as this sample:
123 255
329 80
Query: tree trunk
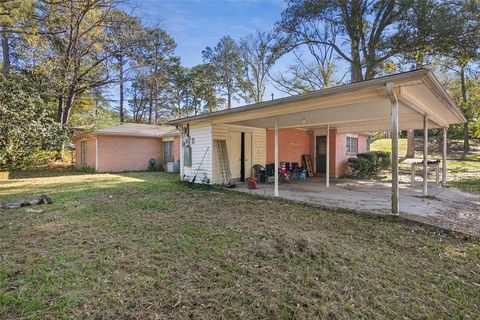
355 65
121 111
60 110
67 108
466 142
150 108
410 144
6 54
229 97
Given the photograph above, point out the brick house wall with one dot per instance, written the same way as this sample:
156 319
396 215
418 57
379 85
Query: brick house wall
124 153
90 154
292 143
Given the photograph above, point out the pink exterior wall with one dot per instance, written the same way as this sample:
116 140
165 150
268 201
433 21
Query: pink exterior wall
124 153
176 148
90 156
292 143
341 155
333 152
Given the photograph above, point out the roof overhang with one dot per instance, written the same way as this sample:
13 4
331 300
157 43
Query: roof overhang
358 107
138 135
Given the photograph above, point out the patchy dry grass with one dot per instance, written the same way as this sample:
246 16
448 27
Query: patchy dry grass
463 170
143 245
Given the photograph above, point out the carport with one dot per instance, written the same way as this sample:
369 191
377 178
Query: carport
407 101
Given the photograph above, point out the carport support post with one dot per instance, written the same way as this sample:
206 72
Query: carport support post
444 157
276 157
394 106
425 156
327 171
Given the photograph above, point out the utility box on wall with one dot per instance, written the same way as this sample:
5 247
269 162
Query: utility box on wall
187 156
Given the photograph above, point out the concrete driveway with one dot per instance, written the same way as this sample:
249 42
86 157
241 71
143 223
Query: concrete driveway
444 207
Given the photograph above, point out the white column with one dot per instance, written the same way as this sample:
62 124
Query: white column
394 107
276 157
327 171
425 155
444 158
181 153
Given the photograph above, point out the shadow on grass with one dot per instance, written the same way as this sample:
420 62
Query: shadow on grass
40 173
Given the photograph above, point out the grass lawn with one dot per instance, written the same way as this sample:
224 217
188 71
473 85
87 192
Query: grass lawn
143 245
463 170
385 145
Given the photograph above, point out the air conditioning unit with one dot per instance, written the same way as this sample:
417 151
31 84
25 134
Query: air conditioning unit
173 167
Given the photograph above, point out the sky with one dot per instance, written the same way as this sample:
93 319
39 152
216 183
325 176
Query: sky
196 24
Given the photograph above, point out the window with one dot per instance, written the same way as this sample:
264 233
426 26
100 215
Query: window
83 152
352 145
167 151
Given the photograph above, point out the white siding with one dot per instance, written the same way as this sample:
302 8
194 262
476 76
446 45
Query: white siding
259 144
201 139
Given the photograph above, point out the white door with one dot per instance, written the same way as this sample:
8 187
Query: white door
235 154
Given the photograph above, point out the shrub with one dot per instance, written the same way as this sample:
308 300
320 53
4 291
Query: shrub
27 127
368 163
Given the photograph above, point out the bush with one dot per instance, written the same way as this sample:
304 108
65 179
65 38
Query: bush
27 126
368 163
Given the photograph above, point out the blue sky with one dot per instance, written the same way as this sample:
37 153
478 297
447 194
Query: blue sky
196 24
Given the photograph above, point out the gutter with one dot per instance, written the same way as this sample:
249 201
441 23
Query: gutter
346 88
96 133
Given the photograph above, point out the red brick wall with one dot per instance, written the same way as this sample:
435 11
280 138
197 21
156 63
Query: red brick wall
292 143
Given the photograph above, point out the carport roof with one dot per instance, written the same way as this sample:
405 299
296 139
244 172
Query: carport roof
363 105
139 130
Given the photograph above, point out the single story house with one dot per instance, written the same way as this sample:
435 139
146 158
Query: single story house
329 125
127 147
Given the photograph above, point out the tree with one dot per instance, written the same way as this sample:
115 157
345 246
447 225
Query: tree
457 32
201 89
79 59
126 35
305 76
375 30
27 125
157 60
15 19
229 68
258 55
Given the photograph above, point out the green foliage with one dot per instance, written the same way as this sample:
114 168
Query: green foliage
368 163
468 185
26 127
94 119
229 67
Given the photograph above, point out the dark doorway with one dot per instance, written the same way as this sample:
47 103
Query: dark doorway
242 157
321 154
